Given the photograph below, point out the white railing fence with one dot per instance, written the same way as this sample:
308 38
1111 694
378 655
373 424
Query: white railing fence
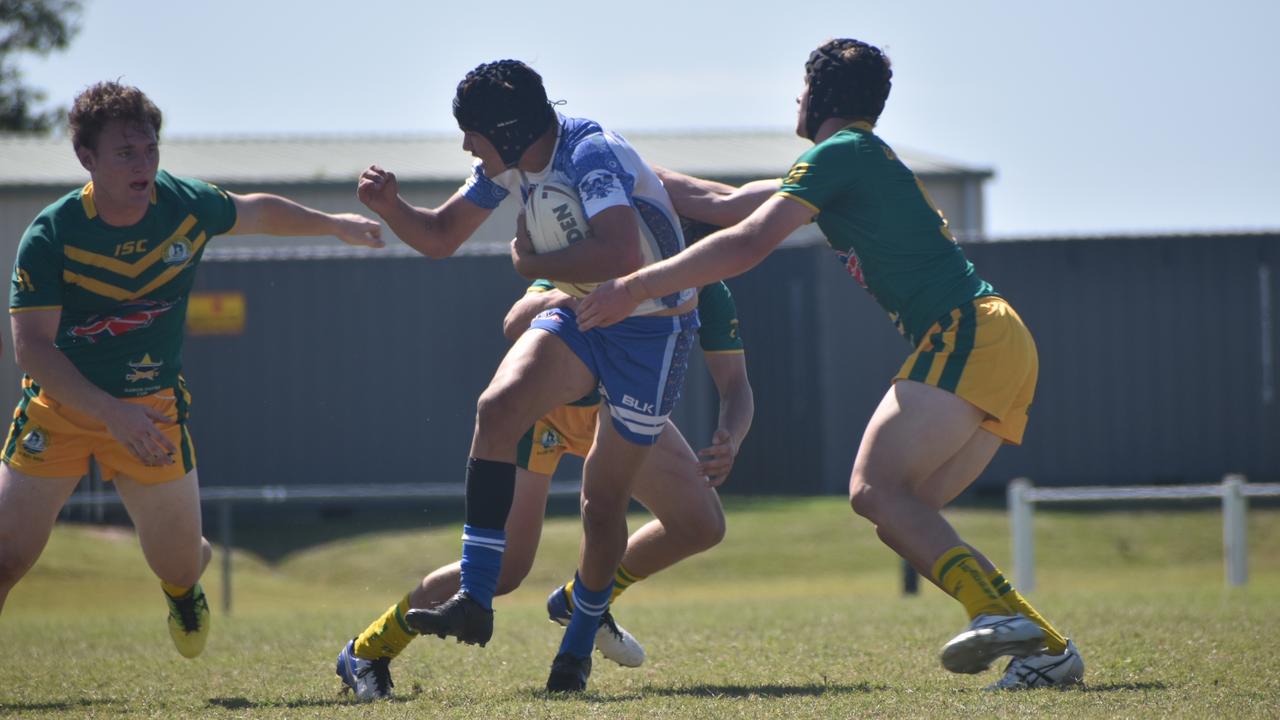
1234 491
223 498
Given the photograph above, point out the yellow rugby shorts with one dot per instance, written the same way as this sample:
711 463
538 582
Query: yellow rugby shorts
567 429
983 353
53 440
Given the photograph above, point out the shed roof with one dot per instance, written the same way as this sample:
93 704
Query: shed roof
290 159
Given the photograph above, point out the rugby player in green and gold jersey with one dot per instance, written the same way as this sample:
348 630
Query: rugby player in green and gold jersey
965 389
98 301
672 483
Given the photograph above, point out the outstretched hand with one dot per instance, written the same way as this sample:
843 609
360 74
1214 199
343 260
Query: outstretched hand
354 229
717 460
610 302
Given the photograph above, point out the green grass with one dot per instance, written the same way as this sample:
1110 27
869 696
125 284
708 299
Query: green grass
796 614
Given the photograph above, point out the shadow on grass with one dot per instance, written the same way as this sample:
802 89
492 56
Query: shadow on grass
1123 687
7 708
589 696
241 703
767 691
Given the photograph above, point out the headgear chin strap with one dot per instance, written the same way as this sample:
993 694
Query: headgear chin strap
836 88
505 102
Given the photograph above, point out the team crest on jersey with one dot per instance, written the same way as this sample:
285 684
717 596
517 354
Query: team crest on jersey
179 251
36 441
144 369
127 318
549 439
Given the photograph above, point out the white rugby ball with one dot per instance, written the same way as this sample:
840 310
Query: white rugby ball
556 220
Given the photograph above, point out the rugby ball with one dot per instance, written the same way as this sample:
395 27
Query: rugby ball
556 220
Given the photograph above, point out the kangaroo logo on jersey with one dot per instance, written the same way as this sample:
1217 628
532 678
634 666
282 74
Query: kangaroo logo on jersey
35 442
851 263
144 369
129 317
550 439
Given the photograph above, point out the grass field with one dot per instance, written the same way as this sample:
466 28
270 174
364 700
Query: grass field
797 614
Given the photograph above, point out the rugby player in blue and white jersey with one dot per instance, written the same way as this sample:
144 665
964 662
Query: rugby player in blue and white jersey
520 141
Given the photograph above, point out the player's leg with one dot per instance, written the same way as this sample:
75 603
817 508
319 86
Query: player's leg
28 510
45 453
642 372
891 463
540 372
688 520
1060 664
607 479
688 517
967 387
364 662
167 518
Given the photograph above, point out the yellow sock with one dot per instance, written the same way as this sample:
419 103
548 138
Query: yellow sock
621 581
174 591
959 573
1053 639
388 636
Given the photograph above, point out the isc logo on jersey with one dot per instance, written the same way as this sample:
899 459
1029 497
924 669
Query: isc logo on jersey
556 220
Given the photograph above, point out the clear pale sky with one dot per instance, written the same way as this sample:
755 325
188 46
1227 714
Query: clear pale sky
1096 116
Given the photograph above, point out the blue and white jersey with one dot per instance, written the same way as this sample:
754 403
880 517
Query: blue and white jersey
606 171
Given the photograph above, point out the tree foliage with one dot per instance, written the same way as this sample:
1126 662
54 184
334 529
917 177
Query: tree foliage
39 27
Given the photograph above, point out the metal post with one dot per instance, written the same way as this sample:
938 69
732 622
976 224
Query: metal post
1235 544
224 532
910 579
1022 535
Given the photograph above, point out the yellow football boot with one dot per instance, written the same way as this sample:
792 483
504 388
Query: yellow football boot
189 621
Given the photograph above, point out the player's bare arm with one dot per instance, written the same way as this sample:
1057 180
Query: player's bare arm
435 232
737 408
527 307
132 425
611 250
266 214
721 255
714 202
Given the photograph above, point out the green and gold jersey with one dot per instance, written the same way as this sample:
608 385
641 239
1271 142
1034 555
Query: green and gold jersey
717 313
122 290
885 229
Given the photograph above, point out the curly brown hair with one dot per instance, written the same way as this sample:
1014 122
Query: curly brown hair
103 102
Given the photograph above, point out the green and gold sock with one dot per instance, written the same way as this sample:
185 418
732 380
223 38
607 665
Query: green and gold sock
1053 639
621 581
959 573
388 636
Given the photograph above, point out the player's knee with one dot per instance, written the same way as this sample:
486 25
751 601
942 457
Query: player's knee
865 499
13 564
206 553
601 512
494 413
707 533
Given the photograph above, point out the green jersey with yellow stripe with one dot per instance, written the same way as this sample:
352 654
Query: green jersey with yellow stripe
885 229
122 291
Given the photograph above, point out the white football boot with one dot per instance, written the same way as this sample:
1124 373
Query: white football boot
989 637
1044 670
